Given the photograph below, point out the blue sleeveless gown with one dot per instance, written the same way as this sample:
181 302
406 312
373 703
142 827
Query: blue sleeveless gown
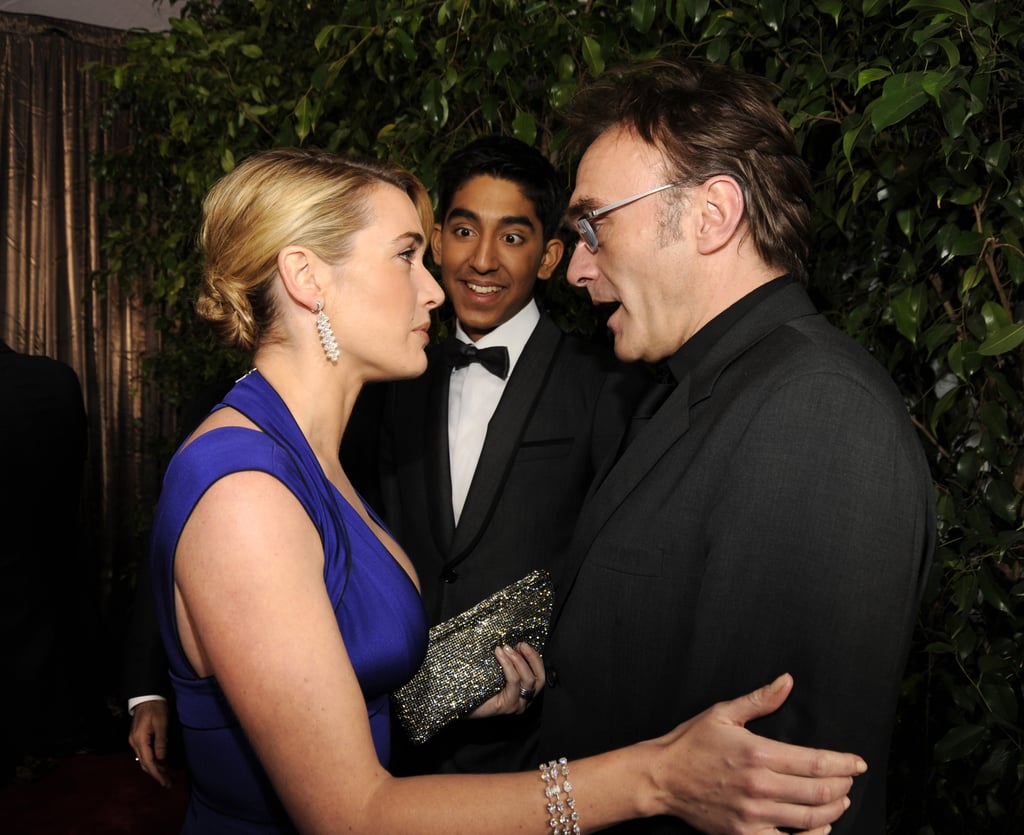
378 608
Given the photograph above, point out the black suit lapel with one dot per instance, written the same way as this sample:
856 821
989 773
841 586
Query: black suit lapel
620 476
504 434
437 465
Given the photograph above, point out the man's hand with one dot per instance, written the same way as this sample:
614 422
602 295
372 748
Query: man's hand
148 738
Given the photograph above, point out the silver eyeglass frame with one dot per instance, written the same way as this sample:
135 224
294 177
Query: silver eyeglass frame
588 234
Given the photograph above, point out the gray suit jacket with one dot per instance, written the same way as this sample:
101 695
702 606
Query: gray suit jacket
562 412
775 515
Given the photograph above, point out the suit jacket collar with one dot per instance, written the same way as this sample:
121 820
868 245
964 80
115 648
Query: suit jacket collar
620 477
504 434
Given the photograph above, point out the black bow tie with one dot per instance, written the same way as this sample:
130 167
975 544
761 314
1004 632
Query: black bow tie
461 354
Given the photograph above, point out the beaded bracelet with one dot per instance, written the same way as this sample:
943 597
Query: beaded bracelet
564 819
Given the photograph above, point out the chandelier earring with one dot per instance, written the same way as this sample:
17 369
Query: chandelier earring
323 327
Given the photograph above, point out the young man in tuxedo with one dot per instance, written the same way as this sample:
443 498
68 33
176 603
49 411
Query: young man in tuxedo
485 467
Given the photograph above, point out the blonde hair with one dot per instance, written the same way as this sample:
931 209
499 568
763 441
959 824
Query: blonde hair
279 198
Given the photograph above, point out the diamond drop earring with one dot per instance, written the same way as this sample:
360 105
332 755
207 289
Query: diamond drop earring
323 327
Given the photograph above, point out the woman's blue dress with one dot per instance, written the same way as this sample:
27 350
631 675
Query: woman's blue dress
378 608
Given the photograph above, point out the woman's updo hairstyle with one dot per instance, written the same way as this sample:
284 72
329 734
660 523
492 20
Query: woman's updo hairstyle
279 198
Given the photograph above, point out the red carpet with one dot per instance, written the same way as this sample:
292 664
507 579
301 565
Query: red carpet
93 794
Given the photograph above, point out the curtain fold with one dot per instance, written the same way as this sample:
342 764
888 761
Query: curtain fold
49 205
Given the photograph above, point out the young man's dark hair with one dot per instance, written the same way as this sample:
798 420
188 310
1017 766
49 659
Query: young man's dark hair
507 159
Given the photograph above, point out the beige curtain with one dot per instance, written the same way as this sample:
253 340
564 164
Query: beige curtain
51 127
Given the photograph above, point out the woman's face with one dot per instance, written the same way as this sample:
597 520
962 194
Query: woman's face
380 307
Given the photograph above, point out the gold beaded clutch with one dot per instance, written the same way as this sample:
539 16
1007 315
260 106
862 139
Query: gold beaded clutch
460 671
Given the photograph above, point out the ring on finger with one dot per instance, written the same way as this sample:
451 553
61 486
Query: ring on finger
525 694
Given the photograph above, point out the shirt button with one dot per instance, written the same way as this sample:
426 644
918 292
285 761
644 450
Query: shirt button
450 576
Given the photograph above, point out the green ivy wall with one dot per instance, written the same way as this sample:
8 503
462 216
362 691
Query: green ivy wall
910 114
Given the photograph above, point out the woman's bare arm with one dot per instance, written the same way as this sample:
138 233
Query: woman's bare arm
253 611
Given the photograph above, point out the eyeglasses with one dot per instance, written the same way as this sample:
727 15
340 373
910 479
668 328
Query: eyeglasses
588 234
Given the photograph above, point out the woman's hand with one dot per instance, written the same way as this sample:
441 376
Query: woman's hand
524 677
721 778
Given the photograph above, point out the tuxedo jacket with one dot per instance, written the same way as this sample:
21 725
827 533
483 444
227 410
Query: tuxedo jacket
774 515
562 412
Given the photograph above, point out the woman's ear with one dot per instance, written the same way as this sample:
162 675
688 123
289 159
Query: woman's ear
553 250
721 213
295 265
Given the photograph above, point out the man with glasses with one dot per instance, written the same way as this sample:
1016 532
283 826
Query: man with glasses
773 511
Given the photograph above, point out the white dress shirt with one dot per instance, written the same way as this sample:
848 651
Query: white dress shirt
473 395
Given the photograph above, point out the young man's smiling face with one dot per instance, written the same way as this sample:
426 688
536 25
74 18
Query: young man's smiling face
491 249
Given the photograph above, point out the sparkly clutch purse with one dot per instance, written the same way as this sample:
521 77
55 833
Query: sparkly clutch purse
460 671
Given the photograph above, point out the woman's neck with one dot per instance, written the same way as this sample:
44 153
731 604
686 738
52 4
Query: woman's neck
320 396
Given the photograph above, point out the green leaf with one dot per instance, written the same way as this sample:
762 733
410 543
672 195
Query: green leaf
869 76
850 138
566 67
251 50
959 742
941 407
953 7
1001 699
560 93
907 308
1002 500
718 50
901 96
992 593
937 335
773 13
862 180
405 43
934 83
997 156
832 8
995 317
497 61
697 9
1002 341
971 278
905 220
641 14
968 466
592 55
994 417
524 127
321 37
963 361
1000 761
303 117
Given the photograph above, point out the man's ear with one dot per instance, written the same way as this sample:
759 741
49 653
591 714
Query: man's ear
721 212
435 243
295 265
553 251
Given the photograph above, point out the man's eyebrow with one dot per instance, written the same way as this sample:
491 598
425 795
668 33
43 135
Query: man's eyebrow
463 214
507 220
580 208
